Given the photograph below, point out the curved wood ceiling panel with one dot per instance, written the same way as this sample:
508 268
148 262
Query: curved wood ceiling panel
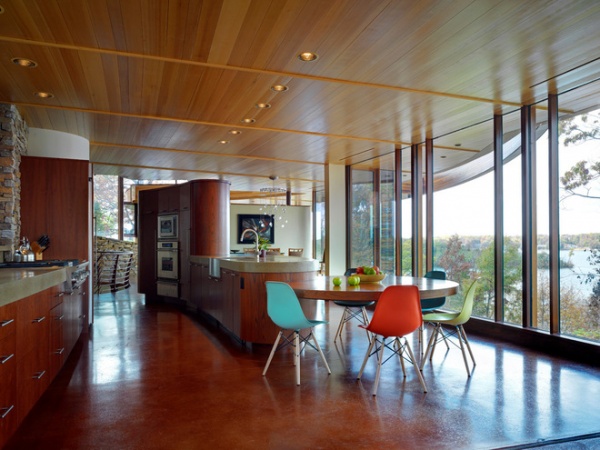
155 85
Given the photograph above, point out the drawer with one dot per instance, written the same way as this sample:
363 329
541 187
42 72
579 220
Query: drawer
8 320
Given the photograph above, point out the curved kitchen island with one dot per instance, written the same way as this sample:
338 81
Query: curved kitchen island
232 290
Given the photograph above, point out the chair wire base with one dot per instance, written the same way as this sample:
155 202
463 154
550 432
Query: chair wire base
398 349
299 342
463 344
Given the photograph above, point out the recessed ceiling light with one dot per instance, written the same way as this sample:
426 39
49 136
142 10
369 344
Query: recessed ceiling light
42 94
24 62
235 132
263 105
279 88
307 56
248 120
223 142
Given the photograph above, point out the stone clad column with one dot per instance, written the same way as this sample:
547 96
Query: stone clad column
13 144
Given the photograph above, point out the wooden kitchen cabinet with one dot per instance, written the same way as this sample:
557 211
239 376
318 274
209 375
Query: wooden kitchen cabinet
33 349
168 199
184 256
230 300
8 372
147 236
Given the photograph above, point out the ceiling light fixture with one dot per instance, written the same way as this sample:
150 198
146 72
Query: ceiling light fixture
42 94
263 105
223 141
235 132
307 56
273 208
24 62
248 120
279 88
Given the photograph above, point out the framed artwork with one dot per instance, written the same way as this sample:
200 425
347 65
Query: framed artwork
263 224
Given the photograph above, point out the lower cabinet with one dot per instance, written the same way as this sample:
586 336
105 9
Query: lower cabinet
8 372
37 334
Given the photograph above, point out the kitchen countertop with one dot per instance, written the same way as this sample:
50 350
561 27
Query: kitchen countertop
19 283
268 264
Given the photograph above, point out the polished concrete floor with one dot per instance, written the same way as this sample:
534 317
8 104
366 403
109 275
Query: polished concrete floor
152 377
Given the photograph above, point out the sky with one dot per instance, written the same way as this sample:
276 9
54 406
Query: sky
467 210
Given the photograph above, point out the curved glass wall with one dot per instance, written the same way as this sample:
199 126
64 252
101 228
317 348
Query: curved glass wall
579 183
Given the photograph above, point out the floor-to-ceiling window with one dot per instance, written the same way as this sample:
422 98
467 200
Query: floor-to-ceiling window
463 223
387 215
579 209
512 222
362 225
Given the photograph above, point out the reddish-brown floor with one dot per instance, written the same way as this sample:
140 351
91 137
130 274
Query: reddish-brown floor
155 378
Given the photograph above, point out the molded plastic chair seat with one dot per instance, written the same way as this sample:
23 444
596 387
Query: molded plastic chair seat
455 319
285 311
397 313
352 310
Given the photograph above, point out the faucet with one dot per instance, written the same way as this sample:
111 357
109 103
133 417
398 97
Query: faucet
255 234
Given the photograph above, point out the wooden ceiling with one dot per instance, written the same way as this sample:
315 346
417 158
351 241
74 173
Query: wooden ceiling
155 85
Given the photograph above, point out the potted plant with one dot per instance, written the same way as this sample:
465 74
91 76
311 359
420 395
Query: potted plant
263 245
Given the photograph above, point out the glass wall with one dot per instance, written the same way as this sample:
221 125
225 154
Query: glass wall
106 206
320 228
579 171
362 225
387 216
513 229
540 313
463 224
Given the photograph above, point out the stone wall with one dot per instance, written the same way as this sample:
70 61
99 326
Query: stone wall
104 244
13 144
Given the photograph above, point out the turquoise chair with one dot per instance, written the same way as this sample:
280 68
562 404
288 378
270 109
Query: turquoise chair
284 310
352 310
457 320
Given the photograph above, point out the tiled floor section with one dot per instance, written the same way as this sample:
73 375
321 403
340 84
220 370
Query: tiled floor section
155 378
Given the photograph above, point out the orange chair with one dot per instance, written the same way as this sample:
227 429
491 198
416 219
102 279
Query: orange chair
397 313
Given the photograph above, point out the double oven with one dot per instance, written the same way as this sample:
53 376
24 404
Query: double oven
167 256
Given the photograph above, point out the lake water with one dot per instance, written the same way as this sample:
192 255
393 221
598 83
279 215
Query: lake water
581 267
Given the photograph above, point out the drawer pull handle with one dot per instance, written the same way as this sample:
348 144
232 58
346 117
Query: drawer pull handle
60 294
4 359
6 411
39 319
6 322
38 375
60 317
59 351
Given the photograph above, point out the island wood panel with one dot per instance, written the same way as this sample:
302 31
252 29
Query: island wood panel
256 325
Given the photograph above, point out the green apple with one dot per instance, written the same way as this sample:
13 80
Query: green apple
337 281
353 281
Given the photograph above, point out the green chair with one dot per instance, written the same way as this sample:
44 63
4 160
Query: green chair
455 319
431 304
352 310
284 310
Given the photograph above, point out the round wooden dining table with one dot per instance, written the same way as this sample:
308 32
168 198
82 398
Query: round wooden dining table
322 288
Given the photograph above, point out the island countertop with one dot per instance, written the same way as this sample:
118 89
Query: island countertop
268 264
18 283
